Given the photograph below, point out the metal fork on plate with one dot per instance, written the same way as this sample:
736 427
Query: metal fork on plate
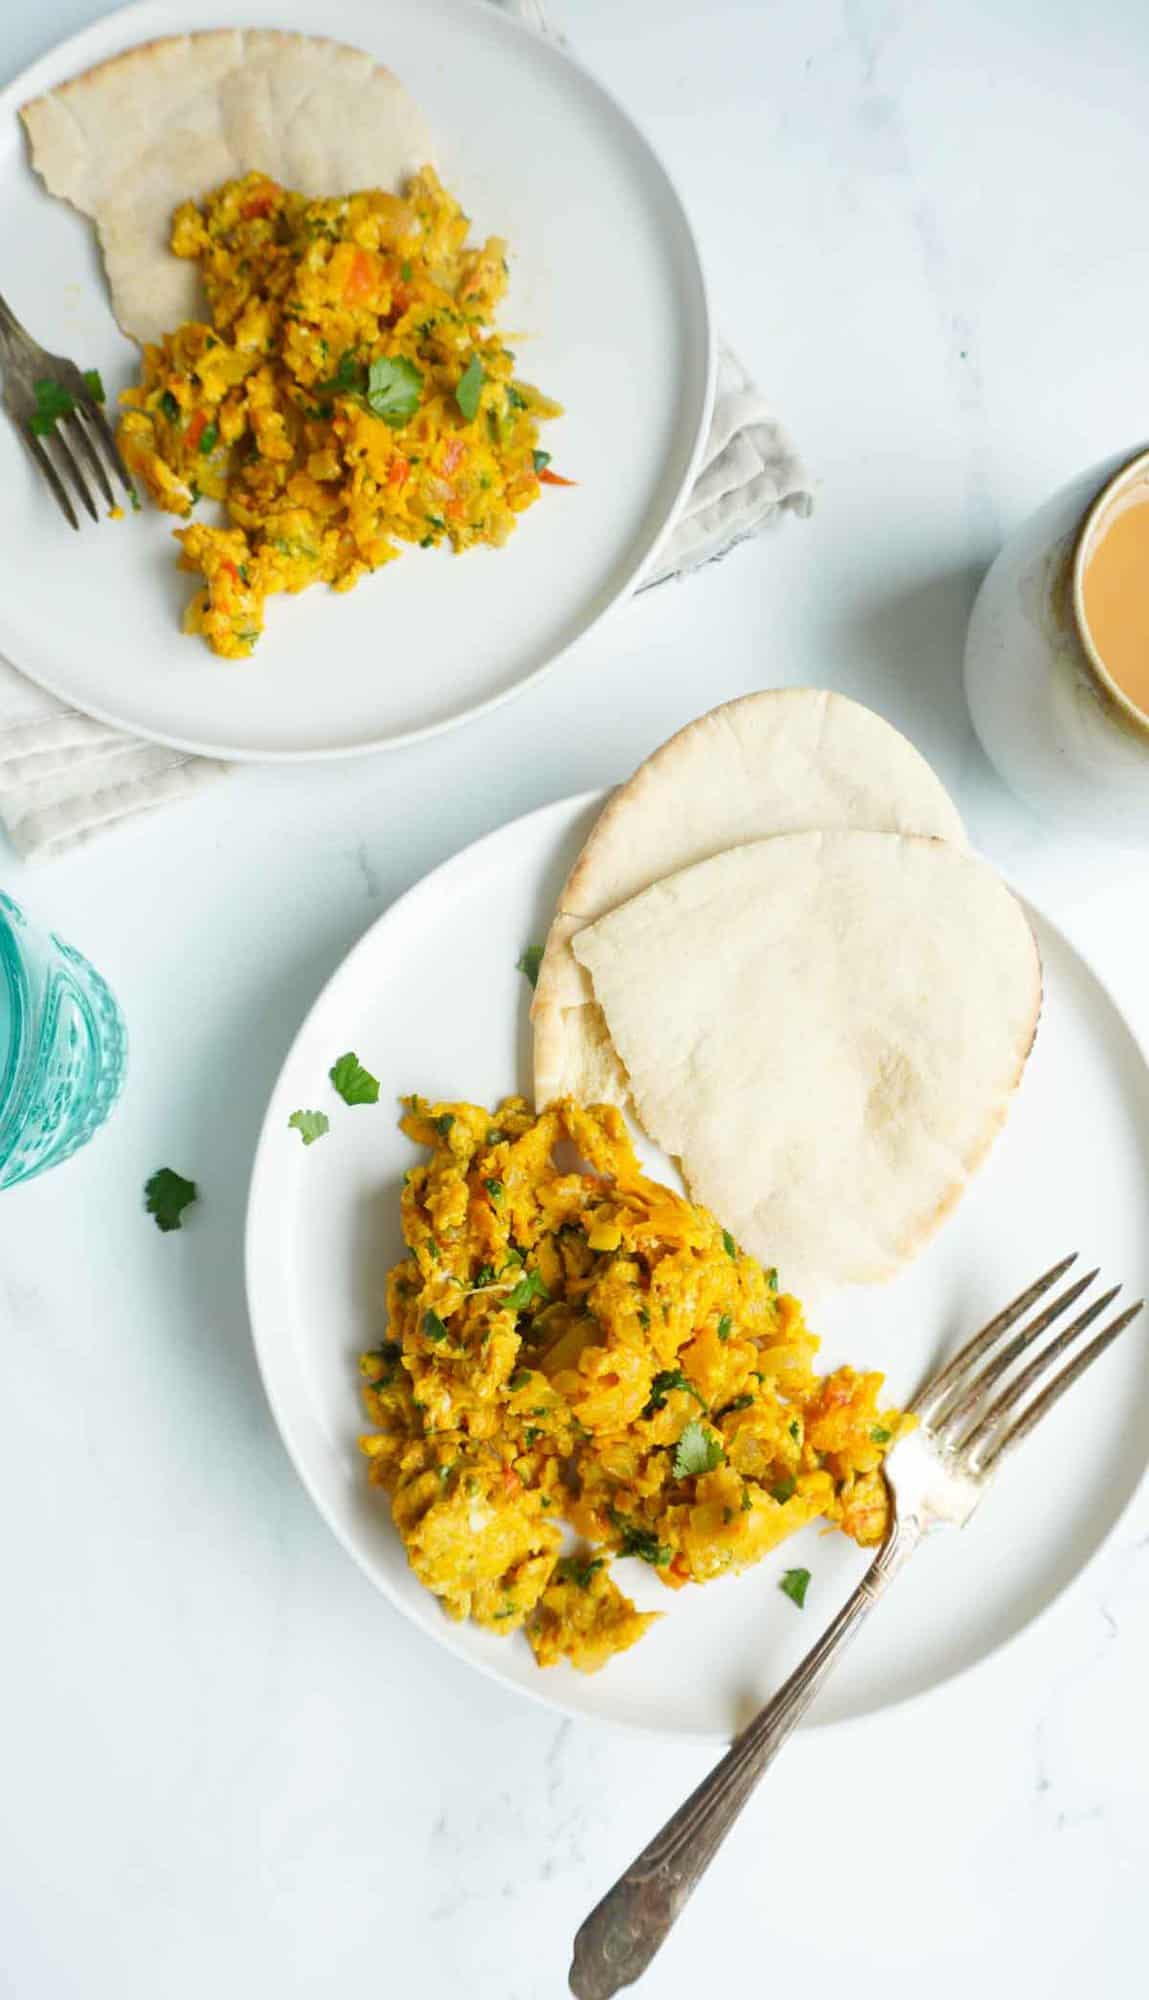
56 412
937 1474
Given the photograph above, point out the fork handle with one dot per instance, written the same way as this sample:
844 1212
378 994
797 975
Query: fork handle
622 1933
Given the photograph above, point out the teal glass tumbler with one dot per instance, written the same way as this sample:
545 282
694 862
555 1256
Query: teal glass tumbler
63 1048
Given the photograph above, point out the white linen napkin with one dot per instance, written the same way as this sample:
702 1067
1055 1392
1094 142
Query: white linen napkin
65 778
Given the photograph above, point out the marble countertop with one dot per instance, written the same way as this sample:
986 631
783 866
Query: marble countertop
228 1765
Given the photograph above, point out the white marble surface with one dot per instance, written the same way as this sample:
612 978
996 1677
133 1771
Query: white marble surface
227 1765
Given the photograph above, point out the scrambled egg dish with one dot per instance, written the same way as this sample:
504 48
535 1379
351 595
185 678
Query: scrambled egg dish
569 1341
345 398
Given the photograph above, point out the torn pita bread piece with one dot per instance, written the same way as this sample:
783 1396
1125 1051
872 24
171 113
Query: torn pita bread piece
788 760
826 1030
166 122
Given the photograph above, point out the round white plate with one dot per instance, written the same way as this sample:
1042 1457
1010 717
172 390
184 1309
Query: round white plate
431 1001
606 287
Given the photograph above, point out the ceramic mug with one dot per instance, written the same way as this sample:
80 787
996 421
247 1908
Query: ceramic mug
1058 728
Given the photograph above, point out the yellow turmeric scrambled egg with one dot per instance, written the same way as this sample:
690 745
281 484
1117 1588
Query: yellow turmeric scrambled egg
347 397
569 1341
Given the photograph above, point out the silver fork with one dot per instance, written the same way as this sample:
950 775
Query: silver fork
80 430
937 1475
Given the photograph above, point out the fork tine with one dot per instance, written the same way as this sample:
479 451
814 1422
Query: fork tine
1042 1362
74 473
936 1391
969 1393
59 491
107 439
78 433
1042 1404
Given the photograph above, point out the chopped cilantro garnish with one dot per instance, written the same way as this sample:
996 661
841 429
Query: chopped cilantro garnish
579 1569
394 386
52 403
642 1542
794 1428
310 1125
495 1137
170 407
355 1084
495 1189
796 1583
529 1288
529 963
541 460
772 1279
662 1385
485 1275
728 1409
94 385
519 1380
728 1244
747 1502
725 1327
881 1436
444 1122
349 378
470 388
209 438
433 1328
697 1451
643 1316
784 1490
166 1196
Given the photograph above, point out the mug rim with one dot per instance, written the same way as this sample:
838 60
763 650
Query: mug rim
1086 539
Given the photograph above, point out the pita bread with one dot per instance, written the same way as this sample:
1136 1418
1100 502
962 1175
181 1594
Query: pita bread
789 760
126 142
826 1029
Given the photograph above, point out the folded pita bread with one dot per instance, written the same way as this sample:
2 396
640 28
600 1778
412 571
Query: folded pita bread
785 761
826 1030
126 142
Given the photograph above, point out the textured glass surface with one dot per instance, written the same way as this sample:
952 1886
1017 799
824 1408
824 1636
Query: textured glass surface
62 1048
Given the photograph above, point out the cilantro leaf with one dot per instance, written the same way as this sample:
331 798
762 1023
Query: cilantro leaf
166 1196
208 440
433 1327
355 1084
170 407
310 1125
697 1451
784 1490
528 1288
485 1275
579 1570
663 1383
772 1279
444 1122
880 1435
495 1189
52 403
796 1583
725 1327
735 1404
728 1244
349 379
641 1542
394 386
541 460
94 385
470 388
529 963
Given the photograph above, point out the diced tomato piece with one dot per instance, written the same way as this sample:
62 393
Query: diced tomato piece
453 451
454 510
229 570
362 281
399 468
550 478
196 429
512 1484
259 204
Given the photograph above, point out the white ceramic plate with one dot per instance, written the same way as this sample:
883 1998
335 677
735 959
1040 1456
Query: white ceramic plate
431 1001
606 284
